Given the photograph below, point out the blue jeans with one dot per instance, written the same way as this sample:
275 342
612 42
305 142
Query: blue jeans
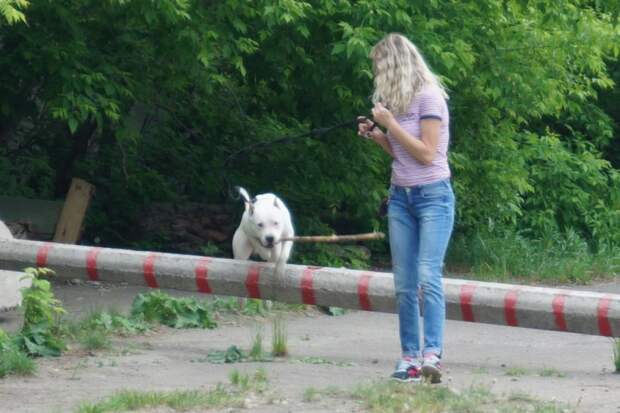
420 223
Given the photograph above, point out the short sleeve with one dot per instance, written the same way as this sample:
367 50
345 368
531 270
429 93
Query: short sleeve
431 104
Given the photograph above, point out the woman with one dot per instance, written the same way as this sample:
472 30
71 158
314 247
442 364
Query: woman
410 104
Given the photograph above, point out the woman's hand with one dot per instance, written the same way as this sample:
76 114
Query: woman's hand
367 129
382 115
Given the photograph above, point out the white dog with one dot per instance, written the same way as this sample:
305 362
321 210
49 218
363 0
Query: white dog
265 222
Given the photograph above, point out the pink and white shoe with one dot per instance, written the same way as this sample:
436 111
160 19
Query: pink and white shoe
407 370
431 367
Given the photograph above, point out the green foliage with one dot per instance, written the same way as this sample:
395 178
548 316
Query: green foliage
12 360
334 255
94 332
41 332
12 11
227 304
39 335
95 340
147 103
211 250
254 307
232 354
506 256
585 204
250 307
16 362
113 322
5 341
160 307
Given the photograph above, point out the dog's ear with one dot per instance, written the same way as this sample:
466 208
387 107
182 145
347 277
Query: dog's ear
276 203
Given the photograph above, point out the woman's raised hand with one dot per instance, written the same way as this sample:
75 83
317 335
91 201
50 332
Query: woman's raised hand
382 115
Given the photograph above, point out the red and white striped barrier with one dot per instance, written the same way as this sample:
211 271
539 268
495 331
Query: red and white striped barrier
504 304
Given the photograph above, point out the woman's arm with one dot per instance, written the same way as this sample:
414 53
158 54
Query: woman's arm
423 149
384 143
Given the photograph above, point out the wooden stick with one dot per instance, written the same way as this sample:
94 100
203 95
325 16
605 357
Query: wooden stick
337 238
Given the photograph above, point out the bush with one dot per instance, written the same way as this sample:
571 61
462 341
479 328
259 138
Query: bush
158 306
40 334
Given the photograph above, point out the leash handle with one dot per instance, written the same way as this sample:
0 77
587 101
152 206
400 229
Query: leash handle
366 118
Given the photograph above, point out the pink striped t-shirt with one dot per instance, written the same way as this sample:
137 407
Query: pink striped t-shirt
406 170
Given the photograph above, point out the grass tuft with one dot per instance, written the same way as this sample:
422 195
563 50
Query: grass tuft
16 362
400 398
257 352
515 371
130 400
551 372
279 337
312 394
12 359
221 396
95 340
246 382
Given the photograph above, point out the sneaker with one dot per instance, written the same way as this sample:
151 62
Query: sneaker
407 370
431 368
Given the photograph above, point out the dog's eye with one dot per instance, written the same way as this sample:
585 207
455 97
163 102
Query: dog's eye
260 225
276 223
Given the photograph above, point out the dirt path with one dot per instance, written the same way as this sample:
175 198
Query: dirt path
361 346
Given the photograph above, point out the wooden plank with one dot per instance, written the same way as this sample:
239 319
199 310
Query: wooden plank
69 227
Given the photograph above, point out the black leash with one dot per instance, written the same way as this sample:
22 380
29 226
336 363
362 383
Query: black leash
314 133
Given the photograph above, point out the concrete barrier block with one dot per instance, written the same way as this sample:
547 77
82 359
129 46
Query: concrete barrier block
10 289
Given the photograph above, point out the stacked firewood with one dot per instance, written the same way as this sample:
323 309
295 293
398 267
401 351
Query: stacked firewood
189 227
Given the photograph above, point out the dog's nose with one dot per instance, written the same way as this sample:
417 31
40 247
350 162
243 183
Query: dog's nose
269 239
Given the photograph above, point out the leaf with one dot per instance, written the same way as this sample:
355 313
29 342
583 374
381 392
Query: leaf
232 354
73 124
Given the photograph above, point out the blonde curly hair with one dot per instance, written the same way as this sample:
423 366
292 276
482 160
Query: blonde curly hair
400 72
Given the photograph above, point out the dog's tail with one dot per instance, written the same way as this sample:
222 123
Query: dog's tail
244 194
